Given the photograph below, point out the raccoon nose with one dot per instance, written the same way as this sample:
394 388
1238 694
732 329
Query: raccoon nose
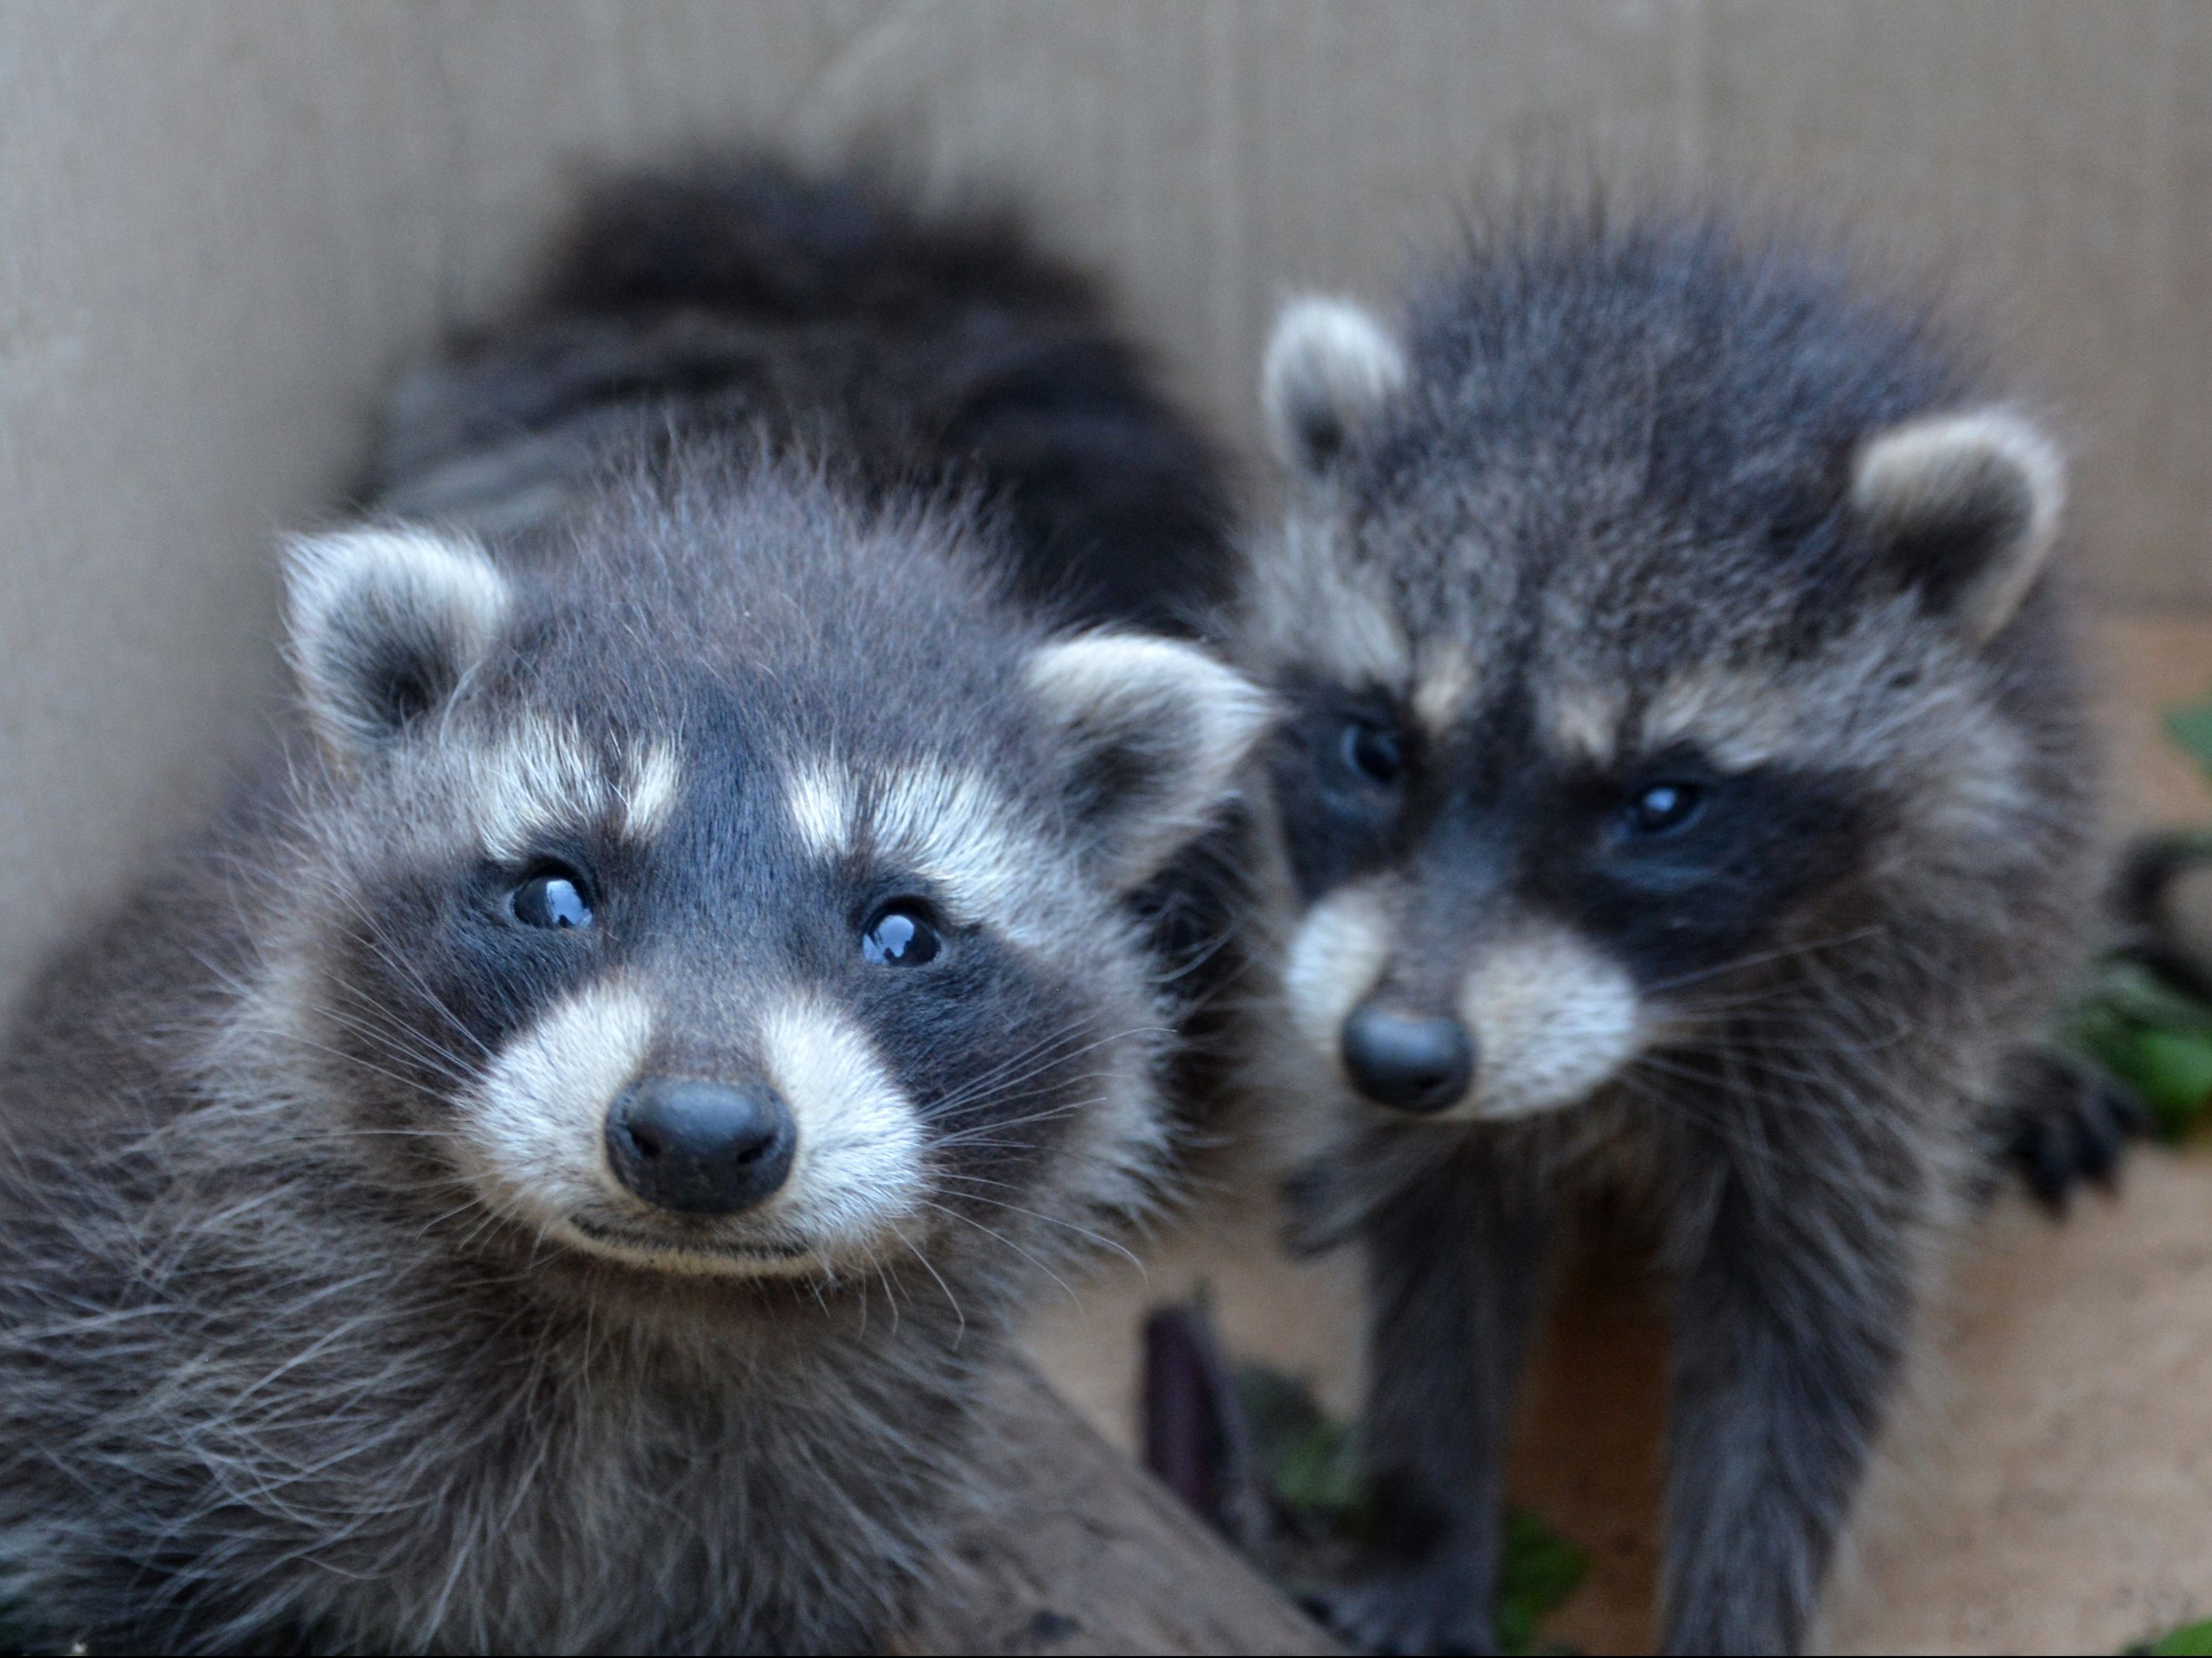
703 1148
1415 1065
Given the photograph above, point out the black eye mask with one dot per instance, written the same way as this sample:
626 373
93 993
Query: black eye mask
1341 767
1684 867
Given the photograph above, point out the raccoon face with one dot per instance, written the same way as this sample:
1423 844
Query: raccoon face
1498 923
689 957
1552 797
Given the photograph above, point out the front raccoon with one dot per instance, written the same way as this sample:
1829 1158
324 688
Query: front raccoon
1687 793
545 1171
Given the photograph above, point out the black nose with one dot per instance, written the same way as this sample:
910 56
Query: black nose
704 1147
1415 1065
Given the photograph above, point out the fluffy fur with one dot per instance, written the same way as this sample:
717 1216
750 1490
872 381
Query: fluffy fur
906 350
1680 701
324 1323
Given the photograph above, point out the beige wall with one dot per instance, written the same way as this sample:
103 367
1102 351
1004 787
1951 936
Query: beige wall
223 227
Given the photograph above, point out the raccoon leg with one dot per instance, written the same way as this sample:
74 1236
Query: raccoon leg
1455 1269
1790 1322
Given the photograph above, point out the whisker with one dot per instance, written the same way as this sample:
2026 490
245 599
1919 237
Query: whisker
1009 1243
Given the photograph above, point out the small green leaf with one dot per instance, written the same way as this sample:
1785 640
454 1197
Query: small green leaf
2172 1072
2191 1641
2151 1036
2193 728
1307 1457
1541 1569
1309 1461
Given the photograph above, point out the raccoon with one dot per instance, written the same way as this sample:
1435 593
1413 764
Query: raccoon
546 1169
1685 801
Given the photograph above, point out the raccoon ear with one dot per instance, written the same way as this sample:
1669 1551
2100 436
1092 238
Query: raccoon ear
1154 734
1965 506
384 623
1329 367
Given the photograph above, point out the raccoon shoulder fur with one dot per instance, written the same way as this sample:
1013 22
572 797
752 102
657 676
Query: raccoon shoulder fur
544 1171
1686 790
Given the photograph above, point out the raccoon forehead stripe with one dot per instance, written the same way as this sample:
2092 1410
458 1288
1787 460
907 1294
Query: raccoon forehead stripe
858 1171
539 774
654 777
820 799
1443 682
959 831
1741 720
1584 722
950 825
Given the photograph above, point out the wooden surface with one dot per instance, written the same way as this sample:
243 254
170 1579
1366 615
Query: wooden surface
1084 1552
2144 663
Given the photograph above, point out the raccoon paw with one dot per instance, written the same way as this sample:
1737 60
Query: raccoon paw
1406 1610
2063 1123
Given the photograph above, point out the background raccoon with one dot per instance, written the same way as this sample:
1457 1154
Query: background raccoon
1686 795
905 351
544 1172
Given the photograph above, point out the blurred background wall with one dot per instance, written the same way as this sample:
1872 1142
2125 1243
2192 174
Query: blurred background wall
223 228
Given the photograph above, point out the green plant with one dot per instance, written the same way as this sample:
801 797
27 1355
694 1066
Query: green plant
1304 1455
1307 1459
2193 728
2191 1641
1541 1569
2153 1036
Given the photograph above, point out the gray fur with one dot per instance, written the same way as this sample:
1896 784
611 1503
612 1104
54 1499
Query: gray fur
282 1368
1606 535
905 349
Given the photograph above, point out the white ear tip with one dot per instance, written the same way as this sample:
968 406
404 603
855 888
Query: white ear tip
320 570
1182 723
1989 478
1141 677
1918 463
1328 366
358 600
1090 667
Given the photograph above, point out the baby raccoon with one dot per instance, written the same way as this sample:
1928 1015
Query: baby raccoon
1687 796
545 1171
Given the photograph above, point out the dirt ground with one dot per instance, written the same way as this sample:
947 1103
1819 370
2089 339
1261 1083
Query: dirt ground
2050 1487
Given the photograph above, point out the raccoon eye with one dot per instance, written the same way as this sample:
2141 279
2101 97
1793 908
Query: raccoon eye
900 937
1373 752
552 898
1662 808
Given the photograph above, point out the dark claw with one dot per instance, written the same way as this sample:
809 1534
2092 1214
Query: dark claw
2108 1116
2063 1122
2045 1156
